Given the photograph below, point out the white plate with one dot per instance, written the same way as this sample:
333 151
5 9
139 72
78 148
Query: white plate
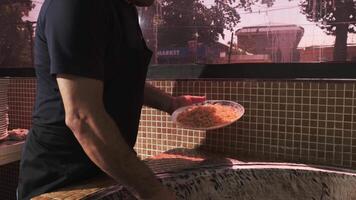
238 108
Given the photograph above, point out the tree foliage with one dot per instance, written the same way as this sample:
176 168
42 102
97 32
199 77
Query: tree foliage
15 34
329 13
186 20
335 17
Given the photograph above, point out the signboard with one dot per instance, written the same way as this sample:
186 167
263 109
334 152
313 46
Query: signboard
168 53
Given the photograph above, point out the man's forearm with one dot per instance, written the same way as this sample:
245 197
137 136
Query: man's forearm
100 138
158 99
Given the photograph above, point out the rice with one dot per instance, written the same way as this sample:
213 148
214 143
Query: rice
208 115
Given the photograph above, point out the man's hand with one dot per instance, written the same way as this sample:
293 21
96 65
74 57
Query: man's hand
141 3
185 100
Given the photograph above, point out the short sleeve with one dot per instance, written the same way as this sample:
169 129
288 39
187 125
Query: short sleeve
76 35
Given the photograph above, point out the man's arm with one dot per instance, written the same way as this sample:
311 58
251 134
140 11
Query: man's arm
100 138
160 100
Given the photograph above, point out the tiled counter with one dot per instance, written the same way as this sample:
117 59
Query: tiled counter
10 152
194 175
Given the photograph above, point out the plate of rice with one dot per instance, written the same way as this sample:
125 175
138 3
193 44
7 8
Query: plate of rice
208 115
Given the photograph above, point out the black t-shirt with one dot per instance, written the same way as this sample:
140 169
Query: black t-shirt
89 38
94 39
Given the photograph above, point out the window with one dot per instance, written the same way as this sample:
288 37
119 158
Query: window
251 31
215 31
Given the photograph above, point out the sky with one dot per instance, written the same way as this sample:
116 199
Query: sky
283 12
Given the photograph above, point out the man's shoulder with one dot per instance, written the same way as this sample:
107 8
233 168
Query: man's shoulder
73 13
68 7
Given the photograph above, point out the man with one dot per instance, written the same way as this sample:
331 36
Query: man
91 63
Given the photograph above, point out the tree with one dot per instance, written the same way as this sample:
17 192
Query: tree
185 20
335 17
15 34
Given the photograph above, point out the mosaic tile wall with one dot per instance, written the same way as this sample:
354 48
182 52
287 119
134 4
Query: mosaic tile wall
21 98
21 95
296 121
